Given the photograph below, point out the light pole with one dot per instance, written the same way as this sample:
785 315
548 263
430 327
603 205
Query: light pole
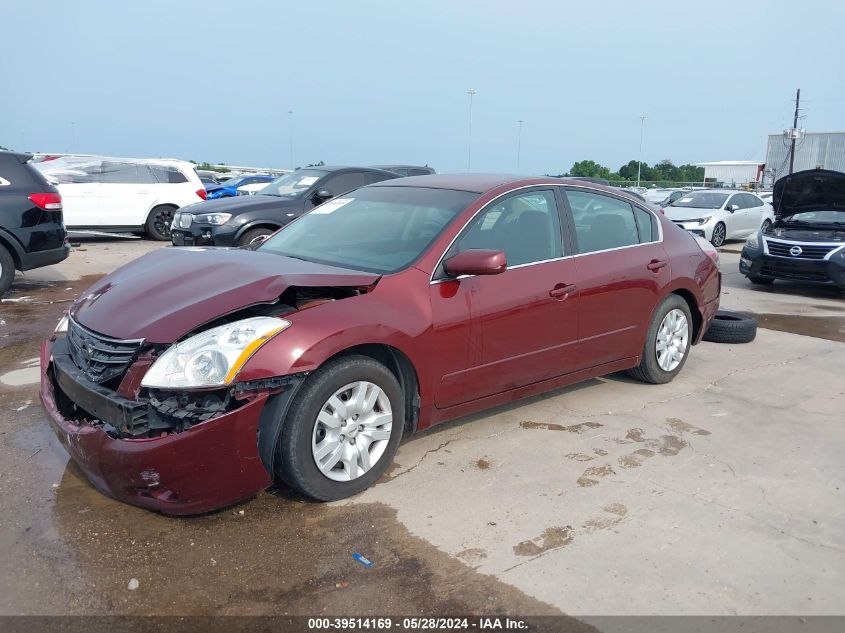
640 155
290 138
471 93
518 142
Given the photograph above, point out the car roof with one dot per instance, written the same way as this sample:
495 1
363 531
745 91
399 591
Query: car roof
481 183
21 157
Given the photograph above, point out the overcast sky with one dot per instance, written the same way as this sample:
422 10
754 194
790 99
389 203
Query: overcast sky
384 82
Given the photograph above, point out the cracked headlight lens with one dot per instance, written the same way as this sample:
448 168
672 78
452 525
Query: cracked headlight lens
212 358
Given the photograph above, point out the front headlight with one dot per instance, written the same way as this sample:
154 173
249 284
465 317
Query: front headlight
212 358
705 220
61 328
752 241
212 218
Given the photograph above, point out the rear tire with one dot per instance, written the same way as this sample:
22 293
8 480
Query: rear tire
296 461
650 369
253 234
731 327
7 269
158 223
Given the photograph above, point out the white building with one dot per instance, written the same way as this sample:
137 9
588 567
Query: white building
732 173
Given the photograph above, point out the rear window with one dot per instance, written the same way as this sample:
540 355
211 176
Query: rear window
167 174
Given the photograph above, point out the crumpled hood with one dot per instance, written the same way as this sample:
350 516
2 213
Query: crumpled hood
165 294
813 189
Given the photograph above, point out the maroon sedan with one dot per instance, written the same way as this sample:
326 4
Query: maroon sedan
190 378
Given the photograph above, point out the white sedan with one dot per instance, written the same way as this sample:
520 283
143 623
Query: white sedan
720 214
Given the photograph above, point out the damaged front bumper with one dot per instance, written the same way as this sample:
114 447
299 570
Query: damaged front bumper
208 466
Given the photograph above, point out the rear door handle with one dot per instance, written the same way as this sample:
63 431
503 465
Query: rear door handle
656 264
561 291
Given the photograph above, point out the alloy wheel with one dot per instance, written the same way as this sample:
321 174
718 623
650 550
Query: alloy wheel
672 340
352 431
162 221
718 235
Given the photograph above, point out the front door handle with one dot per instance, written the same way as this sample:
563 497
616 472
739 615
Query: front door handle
656 264
561 291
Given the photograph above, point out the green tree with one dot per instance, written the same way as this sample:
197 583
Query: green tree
589 169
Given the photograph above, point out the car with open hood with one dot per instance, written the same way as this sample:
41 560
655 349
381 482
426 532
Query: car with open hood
244 220
192 378
806 242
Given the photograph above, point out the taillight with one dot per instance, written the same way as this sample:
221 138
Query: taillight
47 201
201 193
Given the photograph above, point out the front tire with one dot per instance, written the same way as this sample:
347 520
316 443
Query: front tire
719 233
667 342
342 429
158 223
252 235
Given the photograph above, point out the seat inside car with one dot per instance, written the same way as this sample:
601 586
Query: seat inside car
607 230
529 240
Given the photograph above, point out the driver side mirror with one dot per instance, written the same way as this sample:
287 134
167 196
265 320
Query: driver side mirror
733 207
476 261
321 195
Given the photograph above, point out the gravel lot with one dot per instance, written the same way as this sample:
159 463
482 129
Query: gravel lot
719 493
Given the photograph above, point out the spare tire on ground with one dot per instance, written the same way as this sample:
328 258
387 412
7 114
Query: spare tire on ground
731 327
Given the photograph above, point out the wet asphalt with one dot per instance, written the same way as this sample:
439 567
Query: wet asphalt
70 550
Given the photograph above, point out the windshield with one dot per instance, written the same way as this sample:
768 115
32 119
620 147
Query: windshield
701 200
374 229
656 195
292 184
817 217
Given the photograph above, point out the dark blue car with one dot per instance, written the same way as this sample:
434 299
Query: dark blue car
229 188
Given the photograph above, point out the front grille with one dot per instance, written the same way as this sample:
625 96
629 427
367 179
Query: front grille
787 270
99 357
807 251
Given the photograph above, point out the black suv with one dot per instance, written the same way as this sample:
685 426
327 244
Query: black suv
246 219
807 240
32 233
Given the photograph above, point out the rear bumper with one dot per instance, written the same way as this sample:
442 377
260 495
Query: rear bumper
708 313
37 259
759 264
212 465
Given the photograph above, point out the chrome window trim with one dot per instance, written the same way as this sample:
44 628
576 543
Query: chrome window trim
834 246
631 201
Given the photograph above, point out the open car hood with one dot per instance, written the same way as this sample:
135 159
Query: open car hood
165 294
814 189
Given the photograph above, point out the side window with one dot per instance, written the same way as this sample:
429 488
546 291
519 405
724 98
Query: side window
525 226
735 199
125 173
647 224
602 222
343 182
751 201
370 178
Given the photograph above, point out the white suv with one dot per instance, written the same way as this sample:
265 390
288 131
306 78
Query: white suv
122 194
